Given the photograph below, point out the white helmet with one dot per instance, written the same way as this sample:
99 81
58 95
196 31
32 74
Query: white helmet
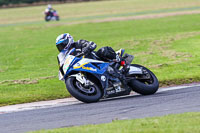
64 41
49 6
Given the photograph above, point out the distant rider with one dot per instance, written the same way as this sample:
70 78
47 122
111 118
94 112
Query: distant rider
49 10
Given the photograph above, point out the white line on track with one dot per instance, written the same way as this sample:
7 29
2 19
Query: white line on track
67 101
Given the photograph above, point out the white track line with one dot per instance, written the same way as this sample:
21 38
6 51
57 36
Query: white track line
67 101
178 87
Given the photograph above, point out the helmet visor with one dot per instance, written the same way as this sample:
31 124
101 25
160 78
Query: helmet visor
62 44
60 47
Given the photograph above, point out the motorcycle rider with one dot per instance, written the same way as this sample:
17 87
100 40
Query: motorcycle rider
66 41
49 10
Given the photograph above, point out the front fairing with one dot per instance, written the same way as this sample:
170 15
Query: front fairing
71 63
91 66
61 57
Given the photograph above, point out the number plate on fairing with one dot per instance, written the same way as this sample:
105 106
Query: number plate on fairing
67 62
135 70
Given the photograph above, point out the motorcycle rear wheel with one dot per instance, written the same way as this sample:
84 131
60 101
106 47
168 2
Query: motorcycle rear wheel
145 87
87 95
57 18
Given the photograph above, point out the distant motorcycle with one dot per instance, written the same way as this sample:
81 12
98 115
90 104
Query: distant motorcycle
89 80
51 15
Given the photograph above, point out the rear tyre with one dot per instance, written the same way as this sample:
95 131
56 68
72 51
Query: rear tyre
145 86
57 18
84 94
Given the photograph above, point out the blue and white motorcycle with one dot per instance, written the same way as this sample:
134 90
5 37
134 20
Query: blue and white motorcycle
89 80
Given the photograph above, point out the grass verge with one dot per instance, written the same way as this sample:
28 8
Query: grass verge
179 123
73 12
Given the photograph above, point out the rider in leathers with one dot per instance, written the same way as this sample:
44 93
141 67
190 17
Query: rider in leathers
65 41
49 10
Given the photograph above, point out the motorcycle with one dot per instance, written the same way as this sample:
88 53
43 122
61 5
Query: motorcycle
51 15
90 80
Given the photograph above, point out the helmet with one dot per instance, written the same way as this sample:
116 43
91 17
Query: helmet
64 41
49 6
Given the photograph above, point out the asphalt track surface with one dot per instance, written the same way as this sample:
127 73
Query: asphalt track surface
130 107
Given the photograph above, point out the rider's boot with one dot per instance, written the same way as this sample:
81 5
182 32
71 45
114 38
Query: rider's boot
120 74
125 69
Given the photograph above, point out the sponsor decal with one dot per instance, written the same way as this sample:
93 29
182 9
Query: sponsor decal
89 68
84 67
65 68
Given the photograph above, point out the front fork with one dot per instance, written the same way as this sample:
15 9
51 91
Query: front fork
81 78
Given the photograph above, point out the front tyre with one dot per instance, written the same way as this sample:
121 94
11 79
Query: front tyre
85 94
144 86
47 19
57 18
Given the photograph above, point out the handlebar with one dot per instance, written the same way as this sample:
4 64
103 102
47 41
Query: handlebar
80 54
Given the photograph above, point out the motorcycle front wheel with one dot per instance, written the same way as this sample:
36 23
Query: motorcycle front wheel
144 86
88 94
47 18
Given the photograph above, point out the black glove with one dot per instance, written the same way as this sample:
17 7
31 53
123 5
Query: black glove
92 45
85 50
86 46
84 43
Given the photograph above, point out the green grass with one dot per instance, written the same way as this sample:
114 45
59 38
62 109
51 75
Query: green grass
92 10
41 90
28 66
179 123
